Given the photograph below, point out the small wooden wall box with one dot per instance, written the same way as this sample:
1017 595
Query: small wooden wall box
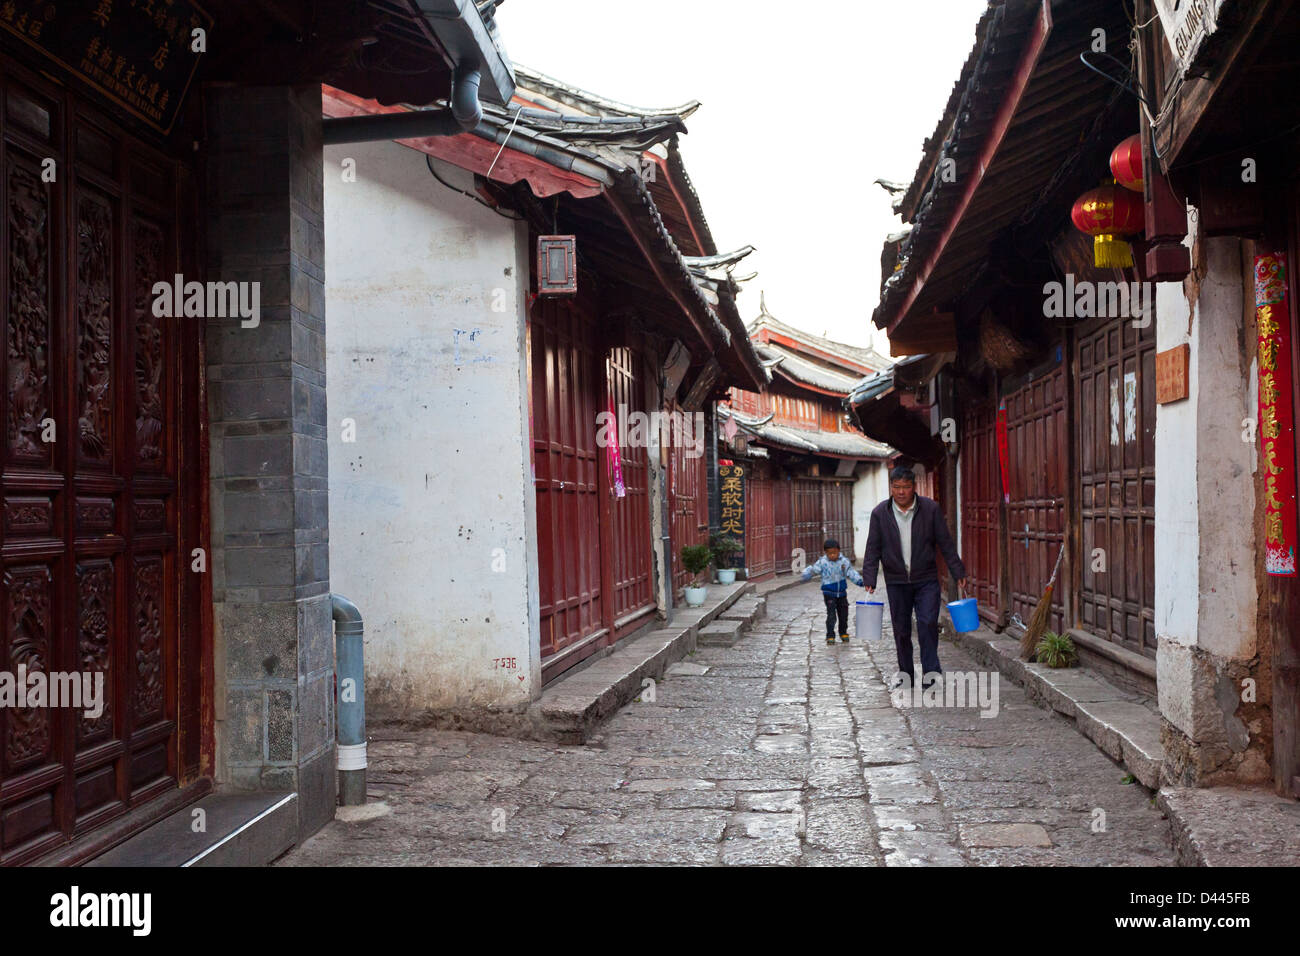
1171 374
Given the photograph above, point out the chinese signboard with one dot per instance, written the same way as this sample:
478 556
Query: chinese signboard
731 490
139 53
1186 23
1276 428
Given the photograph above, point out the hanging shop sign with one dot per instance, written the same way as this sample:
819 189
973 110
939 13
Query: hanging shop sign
1276 427
731 492
1186 24
140 54
557 265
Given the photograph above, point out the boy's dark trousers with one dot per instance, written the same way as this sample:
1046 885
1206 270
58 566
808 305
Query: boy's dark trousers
922 597
836 605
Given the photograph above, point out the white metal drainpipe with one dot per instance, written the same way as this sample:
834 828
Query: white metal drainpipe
350 680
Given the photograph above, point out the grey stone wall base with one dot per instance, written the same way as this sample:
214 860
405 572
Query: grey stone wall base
1217 737
1189 764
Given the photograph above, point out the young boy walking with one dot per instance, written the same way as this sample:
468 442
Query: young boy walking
834 569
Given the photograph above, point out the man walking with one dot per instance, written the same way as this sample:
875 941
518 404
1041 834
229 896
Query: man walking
906 530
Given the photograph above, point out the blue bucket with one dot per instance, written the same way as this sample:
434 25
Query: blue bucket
964 616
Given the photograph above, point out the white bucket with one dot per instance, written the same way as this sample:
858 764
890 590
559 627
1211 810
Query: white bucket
869 620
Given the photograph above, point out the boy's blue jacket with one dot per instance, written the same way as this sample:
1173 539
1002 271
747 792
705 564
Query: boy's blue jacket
833 574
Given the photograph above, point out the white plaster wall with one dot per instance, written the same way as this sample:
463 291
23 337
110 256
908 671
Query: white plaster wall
1205 550
1225 483
871 488
1177 520
431 509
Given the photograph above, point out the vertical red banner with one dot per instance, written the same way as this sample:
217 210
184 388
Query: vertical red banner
1004 452
615 453
1276 420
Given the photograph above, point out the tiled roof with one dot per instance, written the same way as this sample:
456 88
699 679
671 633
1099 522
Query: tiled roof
789 364
838 444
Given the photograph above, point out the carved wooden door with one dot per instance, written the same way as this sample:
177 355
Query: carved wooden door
100 493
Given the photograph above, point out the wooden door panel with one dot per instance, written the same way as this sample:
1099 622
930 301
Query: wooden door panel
981 496
630 514
1036 512
759 538
565 459
782 525
807 506
91 532
837 520
1116 451
688 485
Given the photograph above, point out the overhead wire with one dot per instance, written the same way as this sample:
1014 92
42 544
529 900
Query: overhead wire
428 161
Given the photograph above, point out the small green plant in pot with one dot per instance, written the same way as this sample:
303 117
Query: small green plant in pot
725 548
695 559
1056 650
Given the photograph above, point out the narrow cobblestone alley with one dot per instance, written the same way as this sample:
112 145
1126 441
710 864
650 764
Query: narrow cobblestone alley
785 751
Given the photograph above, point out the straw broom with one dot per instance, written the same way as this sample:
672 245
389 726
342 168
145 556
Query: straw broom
1038 623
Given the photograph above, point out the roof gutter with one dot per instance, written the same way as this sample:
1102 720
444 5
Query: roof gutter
464 114
469 41
479 68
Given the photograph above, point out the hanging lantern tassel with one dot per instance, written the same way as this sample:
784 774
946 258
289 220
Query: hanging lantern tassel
1109 214
1112 252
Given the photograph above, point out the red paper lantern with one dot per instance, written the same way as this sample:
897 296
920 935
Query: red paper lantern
1126 163
1108 214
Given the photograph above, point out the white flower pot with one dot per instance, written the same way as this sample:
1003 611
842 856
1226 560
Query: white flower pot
695 596
726 575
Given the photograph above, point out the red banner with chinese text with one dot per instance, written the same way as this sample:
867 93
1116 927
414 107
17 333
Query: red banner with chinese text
1276 421
1004 452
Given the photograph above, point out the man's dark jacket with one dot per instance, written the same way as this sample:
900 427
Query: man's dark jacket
929 531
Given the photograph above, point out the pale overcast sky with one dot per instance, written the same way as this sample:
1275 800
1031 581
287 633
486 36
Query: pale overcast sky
804 106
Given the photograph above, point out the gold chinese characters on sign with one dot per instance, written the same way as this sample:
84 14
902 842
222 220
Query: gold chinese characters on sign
1276 422
140 54
731 495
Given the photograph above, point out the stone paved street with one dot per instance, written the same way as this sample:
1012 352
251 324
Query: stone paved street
785 751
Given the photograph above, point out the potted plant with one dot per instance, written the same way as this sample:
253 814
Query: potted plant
695 559
725 548
1057 650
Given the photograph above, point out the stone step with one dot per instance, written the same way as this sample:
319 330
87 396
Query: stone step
750 610
1128 732
1207 826
722 633
239 829
572 708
